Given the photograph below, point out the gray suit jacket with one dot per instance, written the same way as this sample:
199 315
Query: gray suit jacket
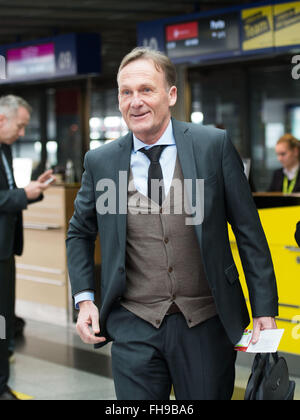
204 153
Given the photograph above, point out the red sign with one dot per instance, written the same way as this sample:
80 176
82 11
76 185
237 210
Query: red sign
182 31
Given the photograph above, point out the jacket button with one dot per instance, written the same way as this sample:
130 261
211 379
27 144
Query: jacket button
121 270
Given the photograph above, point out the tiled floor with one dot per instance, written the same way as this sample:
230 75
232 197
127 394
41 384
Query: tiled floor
51 363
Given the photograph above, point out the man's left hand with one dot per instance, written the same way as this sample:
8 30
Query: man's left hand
260 324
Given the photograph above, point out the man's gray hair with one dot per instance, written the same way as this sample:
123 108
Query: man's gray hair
161 61
10 104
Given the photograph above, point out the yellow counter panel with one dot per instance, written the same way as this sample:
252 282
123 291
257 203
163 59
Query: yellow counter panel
279 223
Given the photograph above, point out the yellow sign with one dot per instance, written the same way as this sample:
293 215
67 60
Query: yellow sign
23 397
258 28
287 24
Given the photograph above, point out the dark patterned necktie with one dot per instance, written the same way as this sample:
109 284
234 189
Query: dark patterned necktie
155 192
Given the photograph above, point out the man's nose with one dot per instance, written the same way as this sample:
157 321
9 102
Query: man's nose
22 132
136 101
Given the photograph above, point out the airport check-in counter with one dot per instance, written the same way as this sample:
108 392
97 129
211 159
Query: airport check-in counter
42 288
279 215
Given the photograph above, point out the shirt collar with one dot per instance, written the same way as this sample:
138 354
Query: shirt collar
292 173
166 139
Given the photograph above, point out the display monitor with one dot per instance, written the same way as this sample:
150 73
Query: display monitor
204 36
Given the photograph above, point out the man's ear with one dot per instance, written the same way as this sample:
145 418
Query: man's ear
172 96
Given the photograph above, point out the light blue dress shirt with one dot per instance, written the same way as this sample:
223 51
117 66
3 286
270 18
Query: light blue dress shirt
139 164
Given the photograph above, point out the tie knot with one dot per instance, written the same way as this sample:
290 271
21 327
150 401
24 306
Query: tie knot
154 153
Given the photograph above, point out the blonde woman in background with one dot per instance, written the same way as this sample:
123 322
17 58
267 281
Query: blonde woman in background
287 179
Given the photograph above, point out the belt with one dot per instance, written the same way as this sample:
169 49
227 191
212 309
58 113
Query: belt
173 309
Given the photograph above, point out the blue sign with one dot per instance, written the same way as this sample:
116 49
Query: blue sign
195 37
151 35
214 34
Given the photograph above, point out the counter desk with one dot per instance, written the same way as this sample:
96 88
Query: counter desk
42 287
43 291
279 215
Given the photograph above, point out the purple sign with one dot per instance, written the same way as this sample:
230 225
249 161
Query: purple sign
61 56
31 61
30 52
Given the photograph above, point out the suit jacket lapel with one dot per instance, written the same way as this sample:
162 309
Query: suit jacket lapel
184 144
123 168
185 150
2 166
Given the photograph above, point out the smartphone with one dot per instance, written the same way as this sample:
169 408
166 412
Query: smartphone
49 181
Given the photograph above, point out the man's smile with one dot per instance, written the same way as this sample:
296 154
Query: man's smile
140 115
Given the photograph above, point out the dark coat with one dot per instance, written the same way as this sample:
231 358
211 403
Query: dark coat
277 182
12 202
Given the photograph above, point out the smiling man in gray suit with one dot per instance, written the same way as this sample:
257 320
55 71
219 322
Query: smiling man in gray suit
171 298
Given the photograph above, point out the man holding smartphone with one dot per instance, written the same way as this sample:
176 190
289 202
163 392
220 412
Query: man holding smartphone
14 118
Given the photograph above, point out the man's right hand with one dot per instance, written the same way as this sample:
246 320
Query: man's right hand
34 190
89 316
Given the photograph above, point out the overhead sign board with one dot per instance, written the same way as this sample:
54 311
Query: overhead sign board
287 24
31 62
61 56
204 36
239 30
257 28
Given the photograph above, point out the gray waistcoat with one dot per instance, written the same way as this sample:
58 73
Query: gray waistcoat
163 260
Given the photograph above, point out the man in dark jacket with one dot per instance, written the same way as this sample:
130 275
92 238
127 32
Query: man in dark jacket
14 118
171 298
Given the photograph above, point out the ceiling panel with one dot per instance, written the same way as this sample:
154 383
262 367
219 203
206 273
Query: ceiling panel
115 20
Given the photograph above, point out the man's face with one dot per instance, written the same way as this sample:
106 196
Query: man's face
145 100
11 128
